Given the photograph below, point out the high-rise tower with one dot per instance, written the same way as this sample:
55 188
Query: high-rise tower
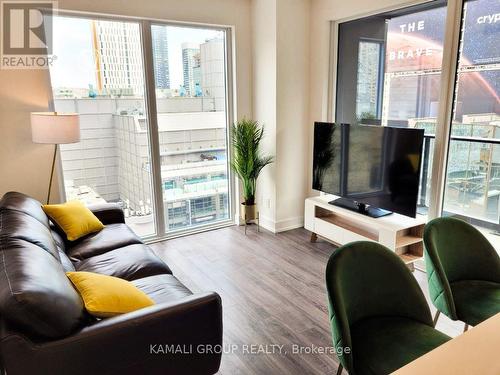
191 67
160 56
118 58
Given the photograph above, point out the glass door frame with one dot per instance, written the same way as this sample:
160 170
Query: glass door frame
161 232
161 225
449 70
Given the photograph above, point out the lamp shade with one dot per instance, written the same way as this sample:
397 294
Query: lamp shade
55 128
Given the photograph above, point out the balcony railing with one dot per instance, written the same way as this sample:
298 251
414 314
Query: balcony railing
473 192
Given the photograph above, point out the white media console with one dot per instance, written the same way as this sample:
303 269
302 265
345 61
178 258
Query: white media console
401 234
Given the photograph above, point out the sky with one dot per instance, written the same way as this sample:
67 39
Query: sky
74 64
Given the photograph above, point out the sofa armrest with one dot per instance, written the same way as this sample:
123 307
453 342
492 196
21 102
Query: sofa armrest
170 338
108 213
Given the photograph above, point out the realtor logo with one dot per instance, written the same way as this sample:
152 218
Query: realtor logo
26 40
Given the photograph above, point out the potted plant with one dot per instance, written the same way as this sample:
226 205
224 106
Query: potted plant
248 162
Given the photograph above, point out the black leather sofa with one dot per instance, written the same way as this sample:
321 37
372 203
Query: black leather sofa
44 327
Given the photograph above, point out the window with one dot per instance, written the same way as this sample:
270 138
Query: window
369 85
109 163
100 73
190 84
396 79
411 41
473 175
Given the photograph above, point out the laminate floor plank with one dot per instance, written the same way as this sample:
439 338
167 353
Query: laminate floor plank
273 293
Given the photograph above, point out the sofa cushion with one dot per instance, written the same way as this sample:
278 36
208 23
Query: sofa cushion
35 293
106 296
111 237
129 263
162 288
476 300
22 203
16 224
58 239
66 264
107 213
74 219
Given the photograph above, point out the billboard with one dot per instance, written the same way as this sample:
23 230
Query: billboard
414 57
481 37
415 41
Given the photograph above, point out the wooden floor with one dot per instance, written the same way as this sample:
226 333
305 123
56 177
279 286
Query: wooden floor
273 293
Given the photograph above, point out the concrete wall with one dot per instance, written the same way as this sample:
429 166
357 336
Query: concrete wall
112 150
25 166
94 160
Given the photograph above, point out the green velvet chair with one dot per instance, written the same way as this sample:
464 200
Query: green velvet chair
463 270
377 310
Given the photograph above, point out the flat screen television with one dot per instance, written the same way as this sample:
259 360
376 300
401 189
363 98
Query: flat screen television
375 170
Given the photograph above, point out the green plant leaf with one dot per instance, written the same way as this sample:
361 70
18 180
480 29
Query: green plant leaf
247 160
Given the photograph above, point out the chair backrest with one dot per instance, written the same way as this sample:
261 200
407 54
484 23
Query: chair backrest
463 251
365 279
455 251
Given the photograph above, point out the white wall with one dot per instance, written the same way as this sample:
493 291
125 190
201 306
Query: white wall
25 166
264 100
280 101
291 44
293 92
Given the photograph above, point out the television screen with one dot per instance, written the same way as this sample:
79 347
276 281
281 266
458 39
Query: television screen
375 165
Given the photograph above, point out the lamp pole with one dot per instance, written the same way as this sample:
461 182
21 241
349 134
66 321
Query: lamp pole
54 128
52 173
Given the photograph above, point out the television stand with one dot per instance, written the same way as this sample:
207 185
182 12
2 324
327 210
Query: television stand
338 225
360 208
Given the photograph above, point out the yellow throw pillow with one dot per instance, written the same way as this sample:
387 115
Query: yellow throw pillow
106 296
73 218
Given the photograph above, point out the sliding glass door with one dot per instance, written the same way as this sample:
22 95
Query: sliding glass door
99 73
472 189
396 80
190 87
132 121
402 86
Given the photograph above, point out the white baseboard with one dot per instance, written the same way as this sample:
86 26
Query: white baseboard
281 225
289 224
267 223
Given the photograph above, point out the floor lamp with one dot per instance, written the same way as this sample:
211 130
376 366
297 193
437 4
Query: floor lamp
54 128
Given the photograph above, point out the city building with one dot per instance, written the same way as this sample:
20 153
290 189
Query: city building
212 63
160 56
118 58
249 187
368 88
112 161
191 67
473 173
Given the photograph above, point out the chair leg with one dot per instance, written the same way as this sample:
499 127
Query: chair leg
339 370
466 327
436 317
